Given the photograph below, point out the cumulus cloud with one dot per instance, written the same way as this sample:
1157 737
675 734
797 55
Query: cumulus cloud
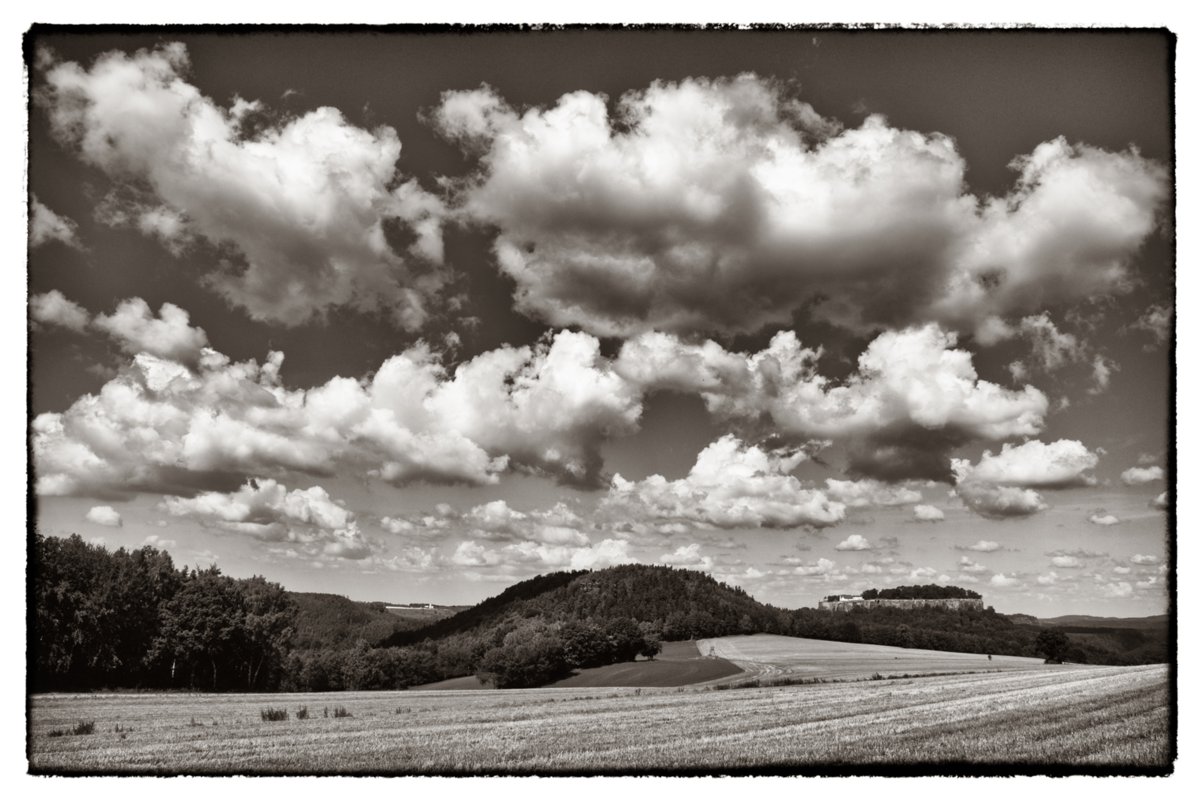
1134 476
1066 562
822 567
529 556
997 501
161 543
1143 559
1105 519
1121 589
496 520
1050 466
135 329
1048 579
912 400
925 512
731 485
45 226
303 200
266 510
855 542
688 556
984 546
997 487
160 426
1161 502
727 205
104 516
1004 581
55 309
966 565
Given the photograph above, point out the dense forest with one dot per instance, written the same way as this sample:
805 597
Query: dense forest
926 591
130 619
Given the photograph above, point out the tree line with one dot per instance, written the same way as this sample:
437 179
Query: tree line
927 591
105 619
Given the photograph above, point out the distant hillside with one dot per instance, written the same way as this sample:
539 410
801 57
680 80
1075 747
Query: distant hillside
1112 640
334 621
680 604
543 629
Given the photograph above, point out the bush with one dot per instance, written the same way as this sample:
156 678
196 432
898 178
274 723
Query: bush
302 713
274 714
341 712
80 729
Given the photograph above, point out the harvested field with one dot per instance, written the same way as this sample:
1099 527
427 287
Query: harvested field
766 656
1075 716
679 664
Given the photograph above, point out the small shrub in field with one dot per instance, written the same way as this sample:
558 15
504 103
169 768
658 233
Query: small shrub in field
402 710
341 712
193 724
80 729
876 677
327 712
274 714
302 713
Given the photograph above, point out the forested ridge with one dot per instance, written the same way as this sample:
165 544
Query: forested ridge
130 619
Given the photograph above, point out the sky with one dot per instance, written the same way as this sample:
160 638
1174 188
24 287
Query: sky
415 317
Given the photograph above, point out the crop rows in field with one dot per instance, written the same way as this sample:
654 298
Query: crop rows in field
1052 715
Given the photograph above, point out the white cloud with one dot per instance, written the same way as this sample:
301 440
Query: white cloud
1033 464
104 516
1048 578
1052 349
911 401
855 542
1134 476
822 567
303 200
163 427
54 308
997 502
1161 502
1066 562
1121 570
135 329
967 566
928 513
996 487
728 205
266 510
1106 519
156 541
1144 559
529 556
1121 589
45 226
984 546
688 556
731 485
1003 581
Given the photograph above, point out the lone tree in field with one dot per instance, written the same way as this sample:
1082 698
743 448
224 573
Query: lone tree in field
1053 644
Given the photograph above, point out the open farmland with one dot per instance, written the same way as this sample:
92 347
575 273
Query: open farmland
1073 716
766 656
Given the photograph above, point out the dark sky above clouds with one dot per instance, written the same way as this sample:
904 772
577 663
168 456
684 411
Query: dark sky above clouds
413 316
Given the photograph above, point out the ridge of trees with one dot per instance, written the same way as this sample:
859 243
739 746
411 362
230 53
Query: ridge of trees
926 591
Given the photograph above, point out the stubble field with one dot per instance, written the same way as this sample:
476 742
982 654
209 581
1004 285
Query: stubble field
1023 715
